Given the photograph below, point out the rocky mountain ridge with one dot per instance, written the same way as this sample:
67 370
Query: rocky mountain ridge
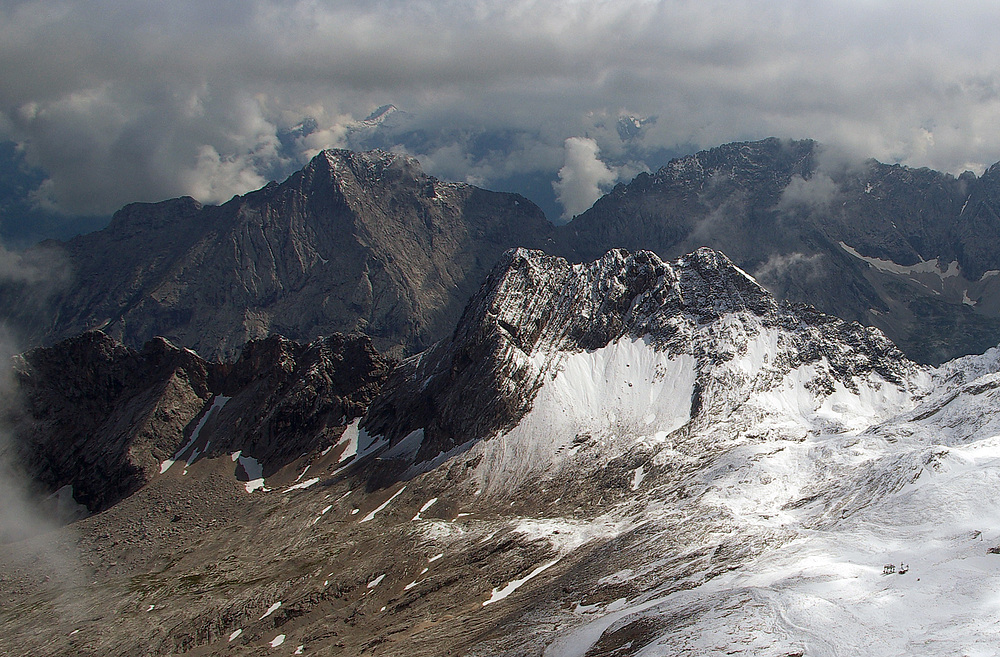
665 459
105 419
352 242
534 308
906 250
368 242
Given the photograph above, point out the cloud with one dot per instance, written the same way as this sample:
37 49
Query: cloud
780 268
813 193
26 512
30 278
583 178
119 100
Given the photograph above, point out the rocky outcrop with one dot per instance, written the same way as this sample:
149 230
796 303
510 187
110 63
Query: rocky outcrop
100 416
352 242
103 418
288 399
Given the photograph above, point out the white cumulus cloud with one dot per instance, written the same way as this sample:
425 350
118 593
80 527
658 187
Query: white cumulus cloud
583 178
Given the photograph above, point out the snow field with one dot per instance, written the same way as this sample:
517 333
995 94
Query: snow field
371 516
357 443
254 471
501 593
616 395
216 406
874 473
303 485
270 610
424 508
904 500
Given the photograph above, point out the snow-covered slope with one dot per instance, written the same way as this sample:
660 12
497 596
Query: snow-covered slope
747 469
622 458
881 541
554 361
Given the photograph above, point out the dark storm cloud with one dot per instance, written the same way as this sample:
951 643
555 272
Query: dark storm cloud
122 101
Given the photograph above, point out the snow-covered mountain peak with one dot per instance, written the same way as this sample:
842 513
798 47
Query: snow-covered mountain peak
629 349
379 115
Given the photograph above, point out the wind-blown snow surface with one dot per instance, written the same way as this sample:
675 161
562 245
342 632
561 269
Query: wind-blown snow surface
617 395
824 515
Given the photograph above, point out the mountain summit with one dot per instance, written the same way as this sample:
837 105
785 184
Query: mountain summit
353 242
697 338
368 242
910 251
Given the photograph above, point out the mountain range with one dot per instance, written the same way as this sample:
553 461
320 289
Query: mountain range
354 242
718 413
368 242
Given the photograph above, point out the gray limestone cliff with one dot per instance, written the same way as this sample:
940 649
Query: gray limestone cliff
352 242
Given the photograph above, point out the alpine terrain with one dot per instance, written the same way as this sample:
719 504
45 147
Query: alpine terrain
910 251
621 457
369 242
353 242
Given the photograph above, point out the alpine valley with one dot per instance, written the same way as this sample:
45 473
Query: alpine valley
487 435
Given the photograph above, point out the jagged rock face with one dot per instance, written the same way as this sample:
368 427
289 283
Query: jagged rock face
368 242
100 416
905 250
104 418
354 241
289 399
535 311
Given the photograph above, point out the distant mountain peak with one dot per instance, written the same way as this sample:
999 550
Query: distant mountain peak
380 114
367 167
354 242
781 210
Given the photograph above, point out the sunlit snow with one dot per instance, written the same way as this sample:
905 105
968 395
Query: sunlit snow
371 516
426 506
216 406
501 593
612 396
270 610
892 521
303 485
